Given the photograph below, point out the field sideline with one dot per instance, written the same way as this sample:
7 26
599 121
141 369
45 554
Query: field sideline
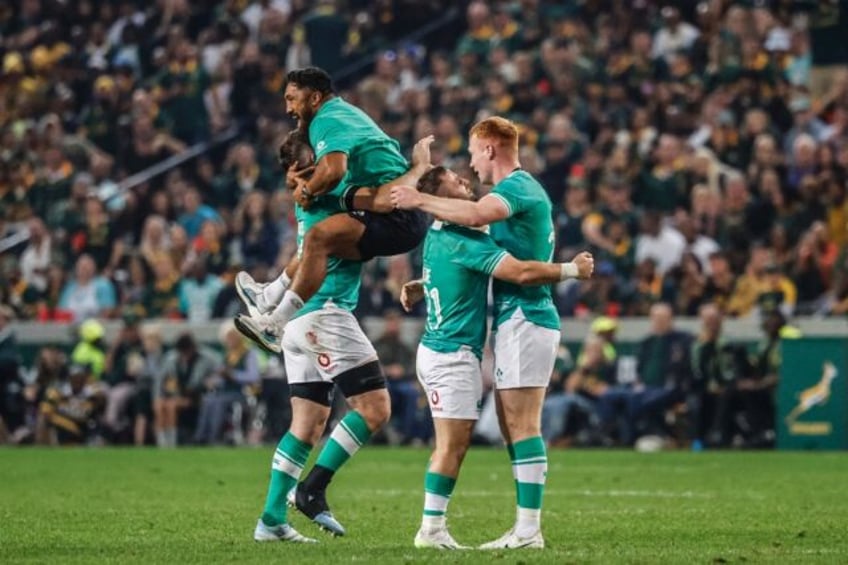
200 506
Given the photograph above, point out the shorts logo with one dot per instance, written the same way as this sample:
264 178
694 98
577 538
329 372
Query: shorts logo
323 360
320 146
434 397
499 375
312 337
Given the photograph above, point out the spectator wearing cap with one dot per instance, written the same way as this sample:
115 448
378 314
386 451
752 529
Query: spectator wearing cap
87 294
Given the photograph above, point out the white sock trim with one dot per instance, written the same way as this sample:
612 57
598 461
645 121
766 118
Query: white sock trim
346 440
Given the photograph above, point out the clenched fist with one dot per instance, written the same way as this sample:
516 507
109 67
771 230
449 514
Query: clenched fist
585 265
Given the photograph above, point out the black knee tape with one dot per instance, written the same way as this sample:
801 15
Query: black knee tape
320 393
362 379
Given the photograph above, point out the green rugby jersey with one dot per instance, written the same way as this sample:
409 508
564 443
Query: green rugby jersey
528 235
341 286
458 262
374 158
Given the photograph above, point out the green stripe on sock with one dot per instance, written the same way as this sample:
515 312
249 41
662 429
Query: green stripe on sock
442 485
297 452
530 451
530 495
355 424
332 456
433 512
529 448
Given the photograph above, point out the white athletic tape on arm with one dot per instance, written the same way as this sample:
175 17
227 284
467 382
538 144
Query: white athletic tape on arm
568 271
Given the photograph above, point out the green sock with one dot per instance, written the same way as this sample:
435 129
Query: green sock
530 465
289 459
348 436
437 492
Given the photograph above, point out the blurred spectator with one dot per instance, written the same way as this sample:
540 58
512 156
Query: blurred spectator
260 240
87 295
663 366
660 243
195 213
578 390
182 380
162 296
97 237
68 414
198 292
124 367
226 385
398 362
756 391
37 256
11 387
709 397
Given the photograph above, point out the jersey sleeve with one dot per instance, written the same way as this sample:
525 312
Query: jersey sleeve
509 192
477 251
327 135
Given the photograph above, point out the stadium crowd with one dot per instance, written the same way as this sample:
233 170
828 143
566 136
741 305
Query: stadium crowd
698 149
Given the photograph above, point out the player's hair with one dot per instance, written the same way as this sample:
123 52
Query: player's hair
311 77
430 181
499 130
295 150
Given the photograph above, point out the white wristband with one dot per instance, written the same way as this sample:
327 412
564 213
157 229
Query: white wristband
568 271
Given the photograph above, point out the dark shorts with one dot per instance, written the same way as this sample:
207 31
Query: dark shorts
390 234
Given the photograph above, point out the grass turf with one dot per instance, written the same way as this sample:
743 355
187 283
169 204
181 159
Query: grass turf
200 505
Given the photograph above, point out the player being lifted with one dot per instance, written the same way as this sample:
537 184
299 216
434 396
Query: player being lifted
351 152
526 328
458 262
325 346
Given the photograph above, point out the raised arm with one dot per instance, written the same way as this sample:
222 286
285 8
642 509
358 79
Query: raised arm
378 200
487 210
527 273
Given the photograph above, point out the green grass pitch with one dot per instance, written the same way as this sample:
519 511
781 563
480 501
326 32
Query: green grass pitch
200 506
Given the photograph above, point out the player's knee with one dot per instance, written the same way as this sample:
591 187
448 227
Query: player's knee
319 236
377 411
